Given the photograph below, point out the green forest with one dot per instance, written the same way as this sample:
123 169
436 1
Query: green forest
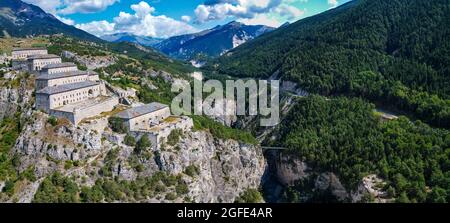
347 137
400 46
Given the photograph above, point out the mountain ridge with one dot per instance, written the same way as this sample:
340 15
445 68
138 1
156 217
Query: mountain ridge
20 19
129 37
211 42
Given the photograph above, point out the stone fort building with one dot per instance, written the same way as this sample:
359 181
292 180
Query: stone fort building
64 91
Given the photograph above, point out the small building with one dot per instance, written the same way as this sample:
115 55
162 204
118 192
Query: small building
37 62
24 53
144 117
57 96
59 68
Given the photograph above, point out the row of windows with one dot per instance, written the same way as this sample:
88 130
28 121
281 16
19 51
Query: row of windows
25 55
39 66
66 102
152 121
60 70
74 80
76 94
47 62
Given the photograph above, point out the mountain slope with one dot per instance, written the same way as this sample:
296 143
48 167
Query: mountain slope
211 43
128 37
392 52
20 19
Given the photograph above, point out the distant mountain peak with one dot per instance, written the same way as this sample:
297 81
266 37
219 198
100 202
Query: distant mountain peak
131 38
234 24
20 19
212 42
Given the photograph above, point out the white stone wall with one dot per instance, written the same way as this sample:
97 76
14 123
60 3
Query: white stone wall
148 120
75 96
38 64
80 114
23 54
41 84
160 137
94 77
95 110
60 70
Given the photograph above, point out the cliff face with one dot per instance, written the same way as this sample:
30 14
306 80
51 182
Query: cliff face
15 93
287 170
223 168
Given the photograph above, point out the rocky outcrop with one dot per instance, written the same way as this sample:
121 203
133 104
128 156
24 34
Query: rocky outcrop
226 167
14 97
287 170
371 185
42 145
330 182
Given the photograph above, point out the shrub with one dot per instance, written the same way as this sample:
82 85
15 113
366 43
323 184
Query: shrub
174 137
117 125
52 120
129 140
9 187
182 188
192 171
171 196
143 144
250 196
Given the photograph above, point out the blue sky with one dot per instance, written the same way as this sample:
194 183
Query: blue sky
165 18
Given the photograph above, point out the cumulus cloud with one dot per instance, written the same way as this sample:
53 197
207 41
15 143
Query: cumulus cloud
97 27
85 6
186 18
142 22
248 10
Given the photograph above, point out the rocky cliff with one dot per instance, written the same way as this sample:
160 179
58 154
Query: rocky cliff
207 168
16 93
288 171
223 168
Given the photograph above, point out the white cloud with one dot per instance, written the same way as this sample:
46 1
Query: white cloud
142 9
261 19
249 11
333 3
85 6
66 7
49 6
289 11
186 18
97 27
66 20
142 23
